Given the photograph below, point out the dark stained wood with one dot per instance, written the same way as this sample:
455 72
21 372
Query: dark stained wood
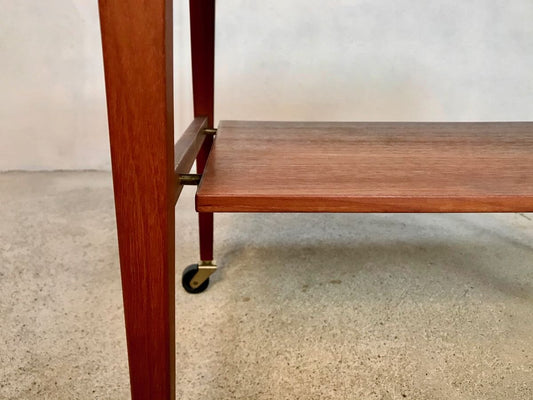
369 167
205 219
187 147
202 17
206 230
137 44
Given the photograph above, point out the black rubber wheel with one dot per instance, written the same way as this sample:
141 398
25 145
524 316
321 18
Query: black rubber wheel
188 274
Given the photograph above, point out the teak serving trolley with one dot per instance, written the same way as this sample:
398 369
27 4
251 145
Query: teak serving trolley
262 167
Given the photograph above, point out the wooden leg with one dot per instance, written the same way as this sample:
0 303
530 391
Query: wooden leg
202 16
137 44
205 225
205 220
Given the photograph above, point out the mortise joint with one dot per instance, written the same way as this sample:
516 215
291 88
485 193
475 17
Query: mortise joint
189 179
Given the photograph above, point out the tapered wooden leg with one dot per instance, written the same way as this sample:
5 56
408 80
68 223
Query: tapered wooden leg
205 220
202 17
137 44
206 228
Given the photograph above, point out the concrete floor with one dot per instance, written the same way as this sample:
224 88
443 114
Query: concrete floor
304 306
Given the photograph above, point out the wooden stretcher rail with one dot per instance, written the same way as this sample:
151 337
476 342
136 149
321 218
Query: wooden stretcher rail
187 147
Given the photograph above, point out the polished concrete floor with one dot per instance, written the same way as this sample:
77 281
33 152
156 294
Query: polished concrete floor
310 306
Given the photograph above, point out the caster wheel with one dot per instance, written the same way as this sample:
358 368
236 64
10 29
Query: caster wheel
188 274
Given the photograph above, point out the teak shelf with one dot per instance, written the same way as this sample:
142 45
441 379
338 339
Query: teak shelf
369 167
261 167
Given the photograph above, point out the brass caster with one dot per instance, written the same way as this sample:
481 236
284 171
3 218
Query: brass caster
195 278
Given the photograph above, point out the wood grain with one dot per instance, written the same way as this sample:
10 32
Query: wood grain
369 167
187 147
137 45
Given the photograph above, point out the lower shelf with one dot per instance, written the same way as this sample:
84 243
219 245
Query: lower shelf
369 167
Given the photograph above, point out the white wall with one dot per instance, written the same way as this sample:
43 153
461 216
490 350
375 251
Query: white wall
51 109
299 59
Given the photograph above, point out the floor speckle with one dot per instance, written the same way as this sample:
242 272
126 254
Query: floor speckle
304 306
